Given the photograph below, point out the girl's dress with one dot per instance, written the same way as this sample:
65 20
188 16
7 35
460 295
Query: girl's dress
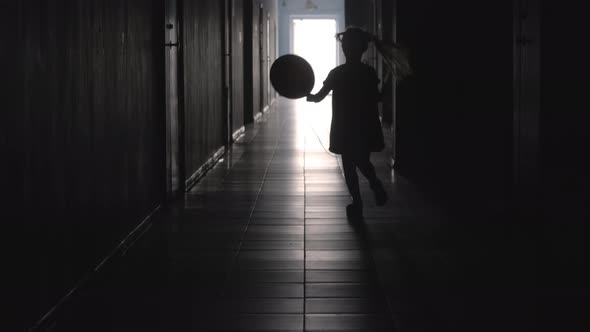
355 124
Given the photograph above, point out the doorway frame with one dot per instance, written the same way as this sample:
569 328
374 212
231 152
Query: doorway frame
339 27
172 193
526 113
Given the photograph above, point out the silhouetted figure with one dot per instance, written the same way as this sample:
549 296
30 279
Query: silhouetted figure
355 131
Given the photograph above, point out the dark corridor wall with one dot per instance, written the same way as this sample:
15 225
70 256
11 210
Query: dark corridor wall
564 164
237 65
83 127
203 81
85 132
454 115
269 48
260 51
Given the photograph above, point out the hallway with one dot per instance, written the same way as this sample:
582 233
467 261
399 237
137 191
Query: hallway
262 243
113 107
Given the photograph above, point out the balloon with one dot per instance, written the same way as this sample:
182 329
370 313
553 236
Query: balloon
292 76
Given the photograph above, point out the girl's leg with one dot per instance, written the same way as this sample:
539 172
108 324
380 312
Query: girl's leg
352 181
368 170
364 164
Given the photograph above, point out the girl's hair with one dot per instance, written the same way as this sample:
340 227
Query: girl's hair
355 38
394 56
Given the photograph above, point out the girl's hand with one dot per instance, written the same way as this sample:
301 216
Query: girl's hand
318 96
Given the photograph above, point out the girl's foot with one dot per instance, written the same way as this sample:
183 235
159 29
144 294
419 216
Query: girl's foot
354 210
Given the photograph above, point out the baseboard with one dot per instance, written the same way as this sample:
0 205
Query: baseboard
128 241
193 179
257 117
238 133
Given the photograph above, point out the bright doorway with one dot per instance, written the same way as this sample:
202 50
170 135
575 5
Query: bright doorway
314 40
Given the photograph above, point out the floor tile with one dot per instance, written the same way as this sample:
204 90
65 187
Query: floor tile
277 221
271 260
326 221
347 322
335 276
266 306
274 232
346 290
255 323
336 260
266 290
272 245
343 306
335 245
268 276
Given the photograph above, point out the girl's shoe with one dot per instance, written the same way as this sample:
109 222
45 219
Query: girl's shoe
354 211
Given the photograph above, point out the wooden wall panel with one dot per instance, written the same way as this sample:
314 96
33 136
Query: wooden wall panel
274 47
203 81
237 73
388 30
87 135
269 34
564 180
256 56
248 56
260 53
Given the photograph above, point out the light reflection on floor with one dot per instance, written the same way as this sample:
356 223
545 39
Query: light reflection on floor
262 243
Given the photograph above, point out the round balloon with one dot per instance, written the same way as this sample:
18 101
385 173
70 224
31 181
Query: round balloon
292 76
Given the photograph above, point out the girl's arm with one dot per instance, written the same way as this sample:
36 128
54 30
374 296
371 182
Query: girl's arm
319 96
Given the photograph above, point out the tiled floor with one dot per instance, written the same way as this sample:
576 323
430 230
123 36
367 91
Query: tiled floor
296 263
262 244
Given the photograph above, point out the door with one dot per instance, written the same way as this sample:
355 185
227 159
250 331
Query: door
527 98
267 68
227 70
389 108
261 44
174 146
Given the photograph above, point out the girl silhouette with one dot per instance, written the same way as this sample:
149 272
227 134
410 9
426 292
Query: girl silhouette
355 130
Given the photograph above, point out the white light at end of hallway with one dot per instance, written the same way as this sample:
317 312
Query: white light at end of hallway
313 39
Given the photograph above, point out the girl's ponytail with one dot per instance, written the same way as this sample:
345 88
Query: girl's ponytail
395 58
